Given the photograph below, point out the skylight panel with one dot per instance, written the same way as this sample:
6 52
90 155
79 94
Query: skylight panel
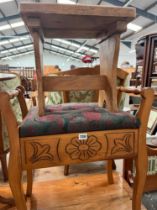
12 25
4 1
134 27
13 40
65 2
17 24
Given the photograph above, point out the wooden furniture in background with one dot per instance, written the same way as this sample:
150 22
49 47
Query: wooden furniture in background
30 152
128 171
121 78
3 151
146 60
151 183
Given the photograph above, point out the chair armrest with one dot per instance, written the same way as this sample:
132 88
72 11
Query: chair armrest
135 91
13 93
147 98
19 93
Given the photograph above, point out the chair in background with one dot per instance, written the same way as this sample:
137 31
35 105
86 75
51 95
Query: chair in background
92 96
8 81
69 134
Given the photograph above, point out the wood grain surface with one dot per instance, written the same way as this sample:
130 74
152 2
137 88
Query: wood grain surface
90 192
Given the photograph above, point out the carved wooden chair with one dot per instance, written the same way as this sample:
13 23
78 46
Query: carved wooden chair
76 133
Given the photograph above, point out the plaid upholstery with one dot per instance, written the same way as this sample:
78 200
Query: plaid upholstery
74 117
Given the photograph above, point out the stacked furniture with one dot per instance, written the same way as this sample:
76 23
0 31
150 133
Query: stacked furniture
146 70
146 56
65 134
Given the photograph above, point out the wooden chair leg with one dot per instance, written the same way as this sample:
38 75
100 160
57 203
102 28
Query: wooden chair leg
109 172
29 182
3 153
4 166
15 181
113 165
66 170
128 171
140 178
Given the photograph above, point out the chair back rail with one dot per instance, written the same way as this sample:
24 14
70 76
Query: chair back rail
85 82
121 76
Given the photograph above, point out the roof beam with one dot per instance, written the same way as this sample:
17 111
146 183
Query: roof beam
50 50
147 26
10 48
5 37
132 33
16 54
100 1
126 4
12 17
140 12
151 6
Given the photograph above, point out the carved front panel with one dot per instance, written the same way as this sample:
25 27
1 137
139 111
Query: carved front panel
41 152
69 148
83 149
121 144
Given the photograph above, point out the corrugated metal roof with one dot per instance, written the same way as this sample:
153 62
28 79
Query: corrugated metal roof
10 37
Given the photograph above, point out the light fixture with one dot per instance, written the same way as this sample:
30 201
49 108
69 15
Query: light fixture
76 45
4 42
65 2
56 53
59 48
132 51
17 24
5 27
12 25
94 51
67 42
66 50
4 1
4 51
134 27
23 47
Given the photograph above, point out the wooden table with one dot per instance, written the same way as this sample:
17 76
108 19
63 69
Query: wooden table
3 152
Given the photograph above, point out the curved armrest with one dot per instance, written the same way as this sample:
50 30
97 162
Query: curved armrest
19 93
147 97
135 91
13 93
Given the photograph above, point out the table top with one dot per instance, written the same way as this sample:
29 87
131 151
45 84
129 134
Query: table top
75 21
5 76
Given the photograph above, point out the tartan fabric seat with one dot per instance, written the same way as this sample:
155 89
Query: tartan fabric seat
74 118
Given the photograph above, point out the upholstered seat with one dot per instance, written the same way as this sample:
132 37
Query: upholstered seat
74 117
